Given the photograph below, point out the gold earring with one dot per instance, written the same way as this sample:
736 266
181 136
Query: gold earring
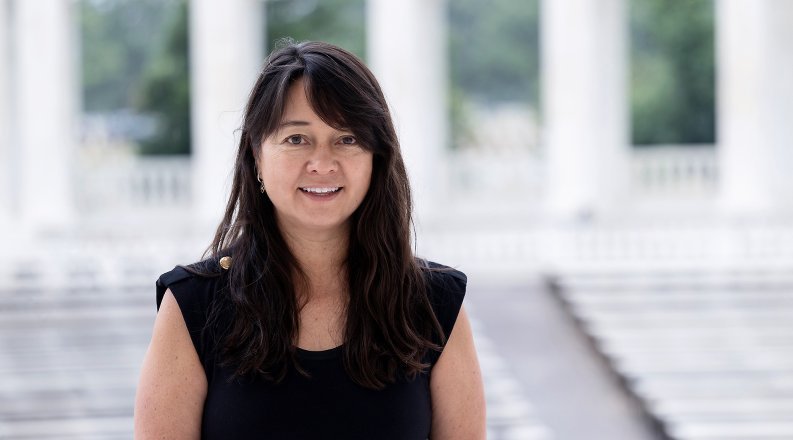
261 184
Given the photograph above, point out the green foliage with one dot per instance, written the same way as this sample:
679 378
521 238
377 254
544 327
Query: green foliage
165 91
135 57
494 49
339 22
673 72
117 37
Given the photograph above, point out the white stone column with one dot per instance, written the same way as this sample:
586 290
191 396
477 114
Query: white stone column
755 104
585 105
45 98
406 50
5 115
226 54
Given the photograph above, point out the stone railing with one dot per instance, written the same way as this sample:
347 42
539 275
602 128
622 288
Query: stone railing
674 171
659 171
481 174
134 183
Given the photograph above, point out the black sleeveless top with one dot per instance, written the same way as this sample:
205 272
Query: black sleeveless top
325 405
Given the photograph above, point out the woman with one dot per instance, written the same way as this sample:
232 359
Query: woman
312 318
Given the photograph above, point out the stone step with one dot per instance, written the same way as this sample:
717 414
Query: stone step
730 409
70 358
703 361
78 428
86 317
654 282
16 343
766 321
710 356
632 300
69 380
732 430
637 339
66 301
110 402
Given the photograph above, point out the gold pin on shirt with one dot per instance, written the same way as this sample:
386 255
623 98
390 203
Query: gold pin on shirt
225 262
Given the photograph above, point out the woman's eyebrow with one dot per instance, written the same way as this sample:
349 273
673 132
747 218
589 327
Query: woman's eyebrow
285 124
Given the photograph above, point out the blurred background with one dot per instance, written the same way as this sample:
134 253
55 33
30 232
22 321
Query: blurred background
612 175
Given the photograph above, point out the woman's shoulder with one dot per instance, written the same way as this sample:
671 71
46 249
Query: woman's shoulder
195 288
192 283
445 290
443 282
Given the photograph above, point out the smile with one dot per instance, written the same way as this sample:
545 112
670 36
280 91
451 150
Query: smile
322 191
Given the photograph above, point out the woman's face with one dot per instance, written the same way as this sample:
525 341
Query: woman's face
315 175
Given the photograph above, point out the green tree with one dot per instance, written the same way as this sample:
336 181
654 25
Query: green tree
117 39
494 49
339 22
134 56
672 72
165 91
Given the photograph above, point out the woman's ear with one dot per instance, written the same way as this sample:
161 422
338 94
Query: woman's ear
259 178
255 150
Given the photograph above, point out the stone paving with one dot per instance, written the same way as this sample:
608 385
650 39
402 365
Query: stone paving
570 389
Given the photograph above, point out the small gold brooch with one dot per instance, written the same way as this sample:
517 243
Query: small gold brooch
225 262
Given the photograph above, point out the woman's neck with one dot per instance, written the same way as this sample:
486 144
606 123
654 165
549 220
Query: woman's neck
322 255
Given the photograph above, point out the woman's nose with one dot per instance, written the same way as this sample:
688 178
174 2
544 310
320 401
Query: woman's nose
322 160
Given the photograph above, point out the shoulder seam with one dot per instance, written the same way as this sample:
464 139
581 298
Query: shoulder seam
175 275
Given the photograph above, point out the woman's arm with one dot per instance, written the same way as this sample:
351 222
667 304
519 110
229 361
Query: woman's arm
458 397
172 388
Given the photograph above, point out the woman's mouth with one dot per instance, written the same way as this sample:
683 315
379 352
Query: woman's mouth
321 191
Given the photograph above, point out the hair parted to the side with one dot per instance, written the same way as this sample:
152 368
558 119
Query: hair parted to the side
389 321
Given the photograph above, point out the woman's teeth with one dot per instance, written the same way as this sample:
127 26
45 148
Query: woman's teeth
321 190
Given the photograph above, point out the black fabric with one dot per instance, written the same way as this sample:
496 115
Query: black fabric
326 405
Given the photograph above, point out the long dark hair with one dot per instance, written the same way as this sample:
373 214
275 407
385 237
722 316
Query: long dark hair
389 321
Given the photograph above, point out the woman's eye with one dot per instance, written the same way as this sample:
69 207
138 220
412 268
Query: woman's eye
294 140
349 140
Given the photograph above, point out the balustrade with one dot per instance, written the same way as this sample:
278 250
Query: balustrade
152 183
135 184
